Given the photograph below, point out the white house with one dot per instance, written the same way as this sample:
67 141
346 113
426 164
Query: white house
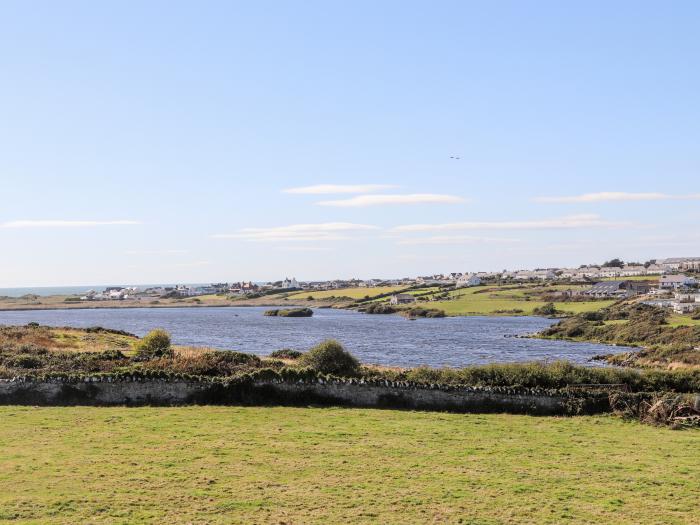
674 282
632 271
402 298
611 271
655 269
468 280
290 283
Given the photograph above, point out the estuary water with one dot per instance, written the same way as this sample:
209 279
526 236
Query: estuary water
379 339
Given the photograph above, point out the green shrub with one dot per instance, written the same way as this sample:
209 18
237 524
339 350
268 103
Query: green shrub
155 344
286 353
379 308
330 357
26 361
423 312
547 309
291 312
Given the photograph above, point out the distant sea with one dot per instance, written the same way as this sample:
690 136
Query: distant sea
70 290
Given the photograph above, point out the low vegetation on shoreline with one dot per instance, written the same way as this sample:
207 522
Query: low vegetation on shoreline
664 344
39 351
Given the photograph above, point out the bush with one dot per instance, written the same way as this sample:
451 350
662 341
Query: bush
330 357
292 312
26 361
286 353
423 312
547 309
155 344
379 308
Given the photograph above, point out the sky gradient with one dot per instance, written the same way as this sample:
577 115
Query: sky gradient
145 142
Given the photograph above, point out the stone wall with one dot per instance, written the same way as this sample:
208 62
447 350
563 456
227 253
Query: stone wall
107 391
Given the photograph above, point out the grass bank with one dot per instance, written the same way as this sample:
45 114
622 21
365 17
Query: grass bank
287 465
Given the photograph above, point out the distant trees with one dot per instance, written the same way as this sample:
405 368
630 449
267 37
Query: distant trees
614 262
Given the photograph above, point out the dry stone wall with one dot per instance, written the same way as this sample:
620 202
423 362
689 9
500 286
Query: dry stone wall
135 391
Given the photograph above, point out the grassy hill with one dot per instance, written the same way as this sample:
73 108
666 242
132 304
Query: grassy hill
352 293
286 465
488 300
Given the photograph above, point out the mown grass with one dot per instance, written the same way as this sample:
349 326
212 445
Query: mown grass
352 293
477 301
304 465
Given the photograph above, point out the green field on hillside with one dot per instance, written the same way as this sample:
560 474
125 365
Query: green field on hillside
304 465
477 301
353 293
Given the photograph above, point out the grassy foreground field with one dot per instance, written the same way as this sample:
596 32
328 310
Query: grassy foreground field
303 465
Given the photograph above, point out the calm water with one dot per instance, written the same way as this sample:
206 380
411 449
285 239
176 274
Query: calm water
379 339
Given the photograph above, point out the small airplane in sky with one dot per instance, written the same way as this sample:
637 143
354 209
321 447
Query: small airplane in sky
456 158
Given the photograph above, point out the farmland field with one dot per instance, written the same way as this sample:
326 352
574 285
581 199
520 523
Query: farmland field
308 465
353 293
476 301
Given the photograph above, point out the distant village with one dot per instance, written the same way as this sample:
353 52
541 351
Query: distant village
672 283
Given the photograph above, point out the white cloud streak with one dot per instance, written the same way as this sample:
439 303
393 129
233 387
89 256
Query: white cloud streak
330 189
561 223
64 224
330 231
456 239
616 196
362 201
155 252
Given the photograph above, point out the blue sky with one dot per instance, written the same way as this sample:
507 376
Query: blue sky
154 141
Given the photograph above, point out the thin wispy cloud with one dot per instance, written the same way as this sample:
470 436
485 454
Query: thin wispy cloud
456 239
64 224
304 248
329 231
330 189
192 264
362 201
617 196
155 252
560 223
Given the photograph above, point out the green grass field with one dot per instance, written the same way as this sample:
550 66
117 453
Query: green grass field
682 320
474 301
304 465
353 293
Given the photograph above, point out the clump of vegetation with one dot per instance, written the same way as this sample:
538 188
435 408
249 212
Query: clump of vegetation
560 374
202 362
548 309
286 353
674 410
417 311
634 325
378 308
330 357
155 344
291 312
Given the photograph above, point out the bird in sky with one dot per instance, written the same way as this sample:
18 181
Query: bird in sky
455 158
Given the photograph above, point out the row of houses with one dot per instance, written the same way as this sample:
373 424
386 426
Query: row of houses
681 303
